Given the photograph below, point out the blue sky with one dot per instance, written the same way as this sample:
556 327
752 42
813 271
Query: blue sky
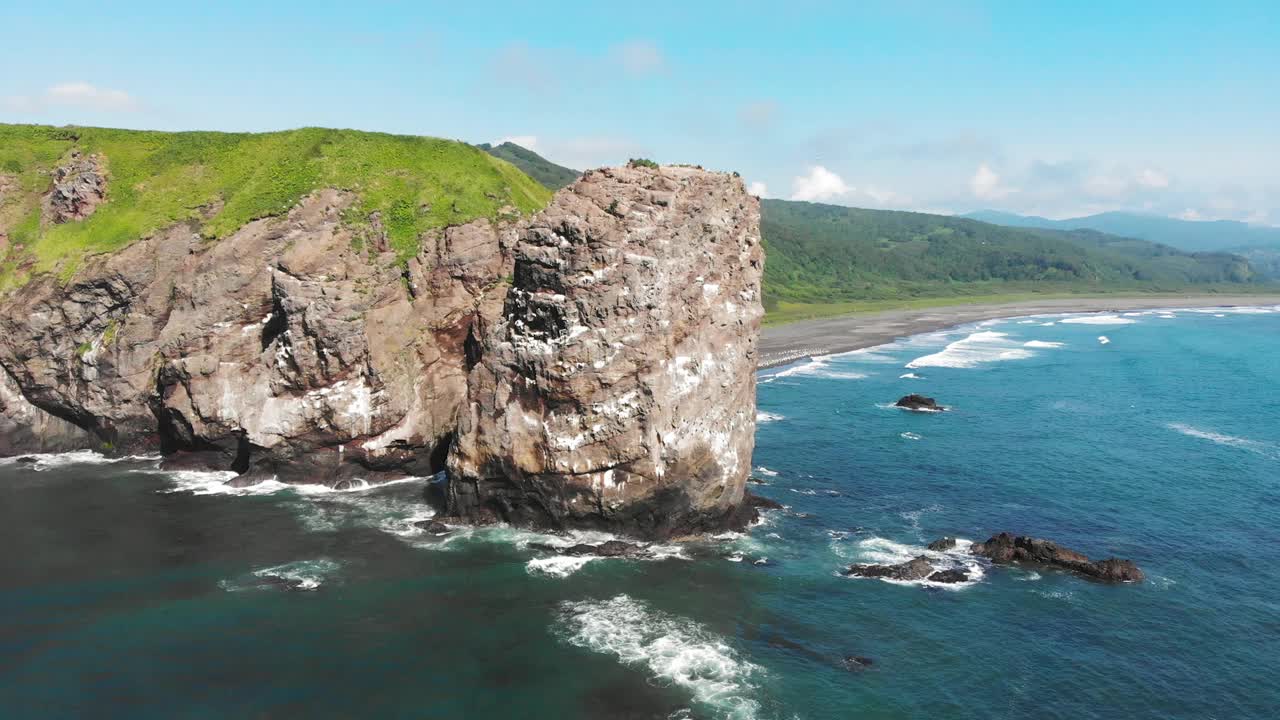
1054 108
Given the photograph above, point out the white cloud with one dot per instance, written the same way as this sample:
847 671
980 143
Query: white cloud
758 189
80 95
886 198
639 57
820 184
528 142
985 184
1153 179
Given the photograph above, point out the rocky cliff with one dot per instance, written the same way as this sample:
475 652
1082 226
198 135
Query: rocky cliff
280 350
617 390
595 362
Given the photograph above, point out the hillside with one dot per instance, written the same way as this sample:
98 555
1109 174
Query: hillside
220 181
551 175
1182 234
826 253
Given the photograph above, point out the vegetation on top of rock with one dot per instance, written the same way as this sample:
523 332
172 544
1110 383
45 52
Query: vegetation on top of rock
641 162
547 173
220 181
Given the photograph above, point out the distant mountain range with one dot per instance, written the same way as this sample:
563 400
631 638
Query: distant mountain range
1182 234
547 173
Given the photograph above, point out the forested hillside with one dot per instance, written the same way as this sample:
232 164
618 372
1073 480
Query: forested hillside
827 253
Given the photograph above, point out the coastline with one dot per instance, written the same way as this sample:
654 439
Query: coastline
785 344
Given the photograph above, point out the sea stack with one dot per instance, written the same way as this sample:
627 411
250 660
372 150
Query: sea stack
617 388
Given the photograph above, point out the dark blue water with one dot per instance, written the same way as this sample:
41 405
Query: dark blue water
130 593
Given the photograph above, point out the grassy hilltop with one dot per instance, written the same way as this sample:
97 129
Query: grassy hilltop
220 181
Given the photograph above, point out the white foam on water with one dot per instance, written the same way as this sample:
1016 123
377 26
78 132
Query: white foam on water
767 417
216 482
558 566
1042 344
1219 438
1219 315
1026 322
766 471
1047 324
883 551
910 376
674 650
1098 320
980 347
910 436
1104 340
299 575
818 366
49 461
1031 576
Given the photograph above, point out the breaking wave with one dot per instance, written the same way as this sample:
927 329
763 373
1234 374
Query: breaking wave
768 417
819 366
47 461
980 347
1098 320
1042 344
674 650
300 575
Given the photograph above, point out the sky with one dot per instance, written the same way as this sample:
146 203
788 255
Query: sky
1051 108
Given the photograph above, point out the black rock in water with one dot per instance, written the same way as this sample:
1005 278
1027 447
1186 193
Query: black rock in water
435 527
919 402
1006 548
942 544
609 548
916 569
949 576
857 662
762 503
26 460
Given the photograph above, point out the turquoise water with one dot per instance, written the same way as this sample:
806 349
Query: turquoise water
130 593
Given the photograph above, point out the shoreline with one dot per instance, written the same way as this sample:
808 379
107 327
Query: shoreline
785 344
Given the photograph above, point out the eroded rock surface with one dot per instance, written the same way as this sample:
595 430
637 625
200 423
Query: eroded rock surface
617 390
283 349
79 186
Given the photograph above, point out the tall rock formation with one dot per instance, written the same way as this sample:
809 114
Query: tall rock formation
617 390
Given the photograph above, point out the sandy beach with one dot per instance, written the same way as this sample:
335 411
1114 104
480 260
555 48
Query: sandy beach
783 344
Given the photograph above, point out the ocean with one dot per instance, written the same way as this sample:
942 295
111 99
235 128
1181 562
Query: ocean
128 592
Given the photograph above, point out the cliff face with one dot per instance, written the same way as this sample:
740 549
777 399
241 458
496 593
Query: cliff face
280 350
590 366
617 390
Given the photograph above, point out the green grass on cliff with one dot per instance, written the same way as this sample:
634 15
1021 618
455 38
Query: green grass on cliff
220 181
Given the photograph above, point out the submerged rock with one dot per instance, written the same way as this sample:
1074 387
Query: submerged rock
435 527
915 569
762 503
1006 548
617 389
857 663
919 402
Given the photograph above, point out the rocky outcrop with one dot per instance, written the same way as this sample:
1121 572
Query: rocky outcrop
608 549
919 403
26 428
292 347
1006 548
942 544
79 186
617 390
917 568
